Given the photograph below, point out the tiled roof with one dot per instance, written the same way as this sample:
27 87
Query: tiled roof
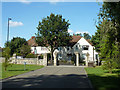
88 40
32 42
74 40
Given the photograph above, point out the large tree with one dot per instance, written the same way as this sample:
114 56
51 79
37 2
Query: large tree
15 44
110 11
96 39
108 45
24 50
53 32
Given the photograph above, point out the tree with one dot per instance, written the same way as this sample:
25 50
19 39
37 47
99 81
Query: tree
15 44
53 32
108 46
96 40
86 36
110 11
24 50
6 53
79 34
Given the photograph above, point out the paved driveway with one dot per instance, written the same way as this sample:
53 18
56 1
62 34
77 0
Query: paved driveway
50 77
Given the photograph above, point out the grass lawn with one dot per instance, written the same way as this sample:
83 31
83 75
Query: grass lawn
17 69
102 79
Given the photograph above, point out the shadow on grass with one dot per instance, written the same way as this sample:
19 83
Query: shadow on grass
104 83
20 70
113 71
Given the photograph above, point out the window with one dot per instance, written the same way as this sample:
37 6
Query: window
67 48
83 56
85 47
59 55
59 48
96 56
76 47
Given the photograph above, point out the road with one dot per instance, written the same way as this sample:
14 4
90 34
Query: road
50 77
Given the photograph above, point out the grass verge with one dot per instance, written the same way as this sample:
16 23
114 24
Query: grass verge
102 79
17 69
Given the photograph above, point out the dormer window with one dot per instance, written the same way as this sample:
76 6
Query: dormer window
59 48
76 47
67 48
85 47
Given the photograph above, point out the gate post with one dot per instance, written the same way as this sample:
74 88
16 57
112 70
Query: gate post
55 60
45 59
77 58
55 56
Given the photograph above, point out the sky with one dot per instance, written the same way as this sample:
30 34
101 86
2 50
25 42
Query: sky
26 16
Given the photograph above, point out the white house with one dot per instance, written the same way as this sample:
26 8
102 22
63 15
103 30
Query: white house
78 44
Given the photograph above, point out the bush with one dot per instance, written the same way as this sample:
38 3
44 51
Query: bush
30 55
18 54
41 56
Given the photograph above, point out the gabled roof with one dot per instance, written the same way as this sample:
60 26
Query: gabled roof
88 40
75 39
32 42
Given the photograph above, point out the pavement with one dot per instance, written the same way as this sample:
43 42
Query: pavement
50 77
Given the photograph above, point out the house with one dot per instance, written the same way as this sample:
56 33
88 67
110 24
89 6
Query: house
77 44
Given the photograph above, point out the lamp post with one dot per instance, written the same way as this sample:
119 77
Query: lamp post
8 31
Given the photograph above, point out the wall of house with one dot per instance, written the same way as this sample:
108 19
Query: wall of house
63 51
82 42
40 50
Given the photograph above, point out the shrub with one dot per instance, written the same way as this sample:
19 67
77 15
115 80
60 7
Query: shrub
30 55
18 54
41 56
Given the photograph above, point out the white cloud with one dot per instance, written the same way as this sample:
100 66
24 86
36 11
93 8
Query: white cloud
25 1
70 31
15 24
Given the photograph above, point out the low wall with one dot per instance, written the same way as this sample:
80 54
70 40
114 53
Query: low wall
2 60
28 61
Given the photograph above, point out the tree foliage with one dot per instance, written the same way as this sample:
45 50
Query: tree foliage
53 32
15 44
85 35
107 38
24 50
6 53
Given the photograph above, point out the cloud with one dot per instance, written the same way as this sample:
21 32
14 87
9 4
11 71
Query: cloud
25 1
15 24
70 31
